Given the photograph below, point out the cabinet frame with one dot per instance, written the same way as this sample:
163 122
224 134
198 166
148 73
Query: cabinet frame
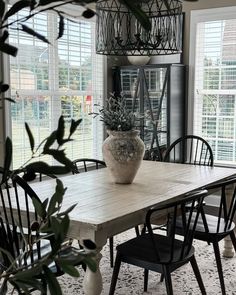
173 90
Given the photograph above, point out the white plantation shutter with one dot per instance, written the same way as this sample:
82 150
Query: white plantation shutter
214 107
46 81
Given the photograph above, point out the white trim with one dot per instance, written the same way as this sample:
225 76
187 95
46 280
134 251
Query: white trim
6 104
197 16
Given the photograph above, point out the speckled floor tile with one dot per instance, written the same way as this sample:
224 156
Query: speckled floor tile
184 282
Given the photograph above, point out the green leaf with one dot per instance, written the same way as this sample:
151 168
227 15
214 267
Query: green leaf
60 130
61 26
53 205
53 284
8 49
28 273
45 203
58 170
67 211
60 156
73 126
39 208
57 198
9 99
88 13
3 87
26 285
65 223
50 140
8 254
45 2
7 159
138 13
88 244
31 32
4 36
42 167
19 5
69 269
2 11
55 226
33 4
90 263
30 135
60 189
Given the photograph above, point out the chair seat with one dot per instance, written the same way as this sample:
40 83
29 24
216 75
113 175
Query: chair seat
69 253
141 248
212 224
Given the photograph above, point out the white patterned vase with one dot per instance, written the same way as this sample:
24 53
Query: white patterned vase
123 152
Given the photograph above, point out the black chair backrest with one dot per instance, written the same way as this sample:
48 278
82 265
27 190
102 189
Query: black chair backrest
86 164
175 250
190 149
16 230
226 208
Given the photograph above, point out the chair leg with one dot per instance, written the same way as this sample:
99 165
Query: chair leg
219 267
44 285
115 274
197 275
162 278
137 231
168 282
145 280
111 245
233 239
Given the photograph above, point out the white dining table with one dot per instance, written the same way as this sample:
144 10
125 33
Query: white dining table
105 209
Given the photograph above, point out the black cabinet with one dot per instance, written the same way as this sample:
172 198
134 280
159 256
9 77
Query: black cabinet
157 93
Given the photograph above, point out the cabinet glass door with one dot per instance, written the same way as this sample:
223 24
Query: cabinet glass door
145 91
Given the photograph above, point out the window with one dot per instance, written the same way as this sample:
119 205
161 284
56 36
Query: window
213 61
46 81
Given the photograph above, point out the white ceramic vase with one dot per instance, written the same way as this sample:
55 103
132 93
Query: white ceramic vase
123 152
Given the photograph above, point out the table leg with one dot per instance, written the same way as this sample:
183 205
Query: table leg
92 283
228 247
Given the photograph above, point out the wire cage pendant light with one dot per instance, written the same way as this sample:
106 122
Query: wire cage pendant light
120 33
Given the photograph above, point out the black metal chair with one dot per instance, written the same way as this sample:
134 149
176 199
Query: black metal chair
213 229
17 231
163 253
190 149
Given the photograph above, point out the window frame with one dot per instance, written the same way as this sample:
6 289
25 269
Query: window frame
7 122
197 16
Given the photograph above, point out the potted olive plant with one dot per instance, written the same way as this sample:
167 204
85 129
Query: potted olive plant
123 149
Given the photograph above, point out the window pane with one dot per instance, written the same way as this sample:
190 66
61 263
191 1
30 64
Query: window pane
215 87
65 77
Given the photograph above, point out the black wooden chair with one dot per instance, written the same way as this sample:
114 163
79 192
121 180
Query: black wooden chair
17 230
163 253
213 229
190 149
87 164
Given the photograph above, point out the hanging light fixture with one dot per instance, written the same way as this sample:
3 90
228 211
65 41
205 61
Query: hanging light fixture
120 33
